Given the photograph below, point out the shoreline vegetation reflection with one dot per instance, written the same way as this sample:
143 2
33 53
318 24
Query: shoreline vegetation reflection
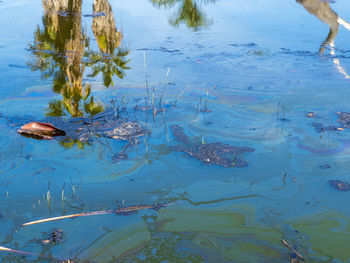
188 12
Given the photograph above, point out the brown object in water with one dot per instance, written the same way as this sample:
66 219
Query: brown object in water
310 114
40 131
339 185
291 248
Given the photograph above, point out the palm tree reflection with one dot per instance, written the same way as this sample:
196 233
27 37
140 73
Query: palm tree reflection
188 12
58 49
111 58
61 50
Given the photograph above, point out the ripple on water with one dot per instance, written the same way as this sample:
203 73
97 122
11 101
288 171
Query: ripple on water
240 123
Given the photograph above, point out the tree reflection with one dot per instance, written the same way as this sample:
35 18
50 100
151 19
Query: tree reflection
61 50
188 12
110 60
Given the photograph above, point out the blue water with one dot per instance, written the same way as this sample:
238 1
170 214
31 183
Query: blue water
256 69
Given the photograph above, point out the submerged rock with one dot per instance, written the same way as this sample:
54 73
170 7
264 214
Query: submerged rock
339 185
211 153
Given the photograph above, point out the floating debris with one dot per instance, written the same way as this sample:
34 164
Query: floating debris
179 134
284 119
319 127
40 130
126 131
206 110
292 249
56 236
85 129
325 166
15 251
119 156
24 253
119 211
344 119
211 153
339 185
310 115
68 216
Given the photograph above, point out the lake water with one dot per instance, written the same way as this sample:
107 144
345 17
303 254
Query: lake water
268 75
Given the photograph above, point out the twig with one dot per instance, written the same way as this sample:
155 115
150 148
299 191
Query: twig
15 251
68 216
284 178
48 258
118 211
290 247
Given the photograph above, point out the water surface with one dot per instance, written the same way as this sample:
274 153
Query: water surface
240 73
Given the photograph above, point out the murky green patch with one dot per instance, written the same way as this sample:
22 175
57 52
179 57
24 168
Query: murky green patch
199 235
328 234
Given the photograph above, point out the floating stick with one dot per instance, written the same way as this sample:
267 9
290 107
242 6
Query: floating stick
49 258
15 251
290 247
119 211
68 216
